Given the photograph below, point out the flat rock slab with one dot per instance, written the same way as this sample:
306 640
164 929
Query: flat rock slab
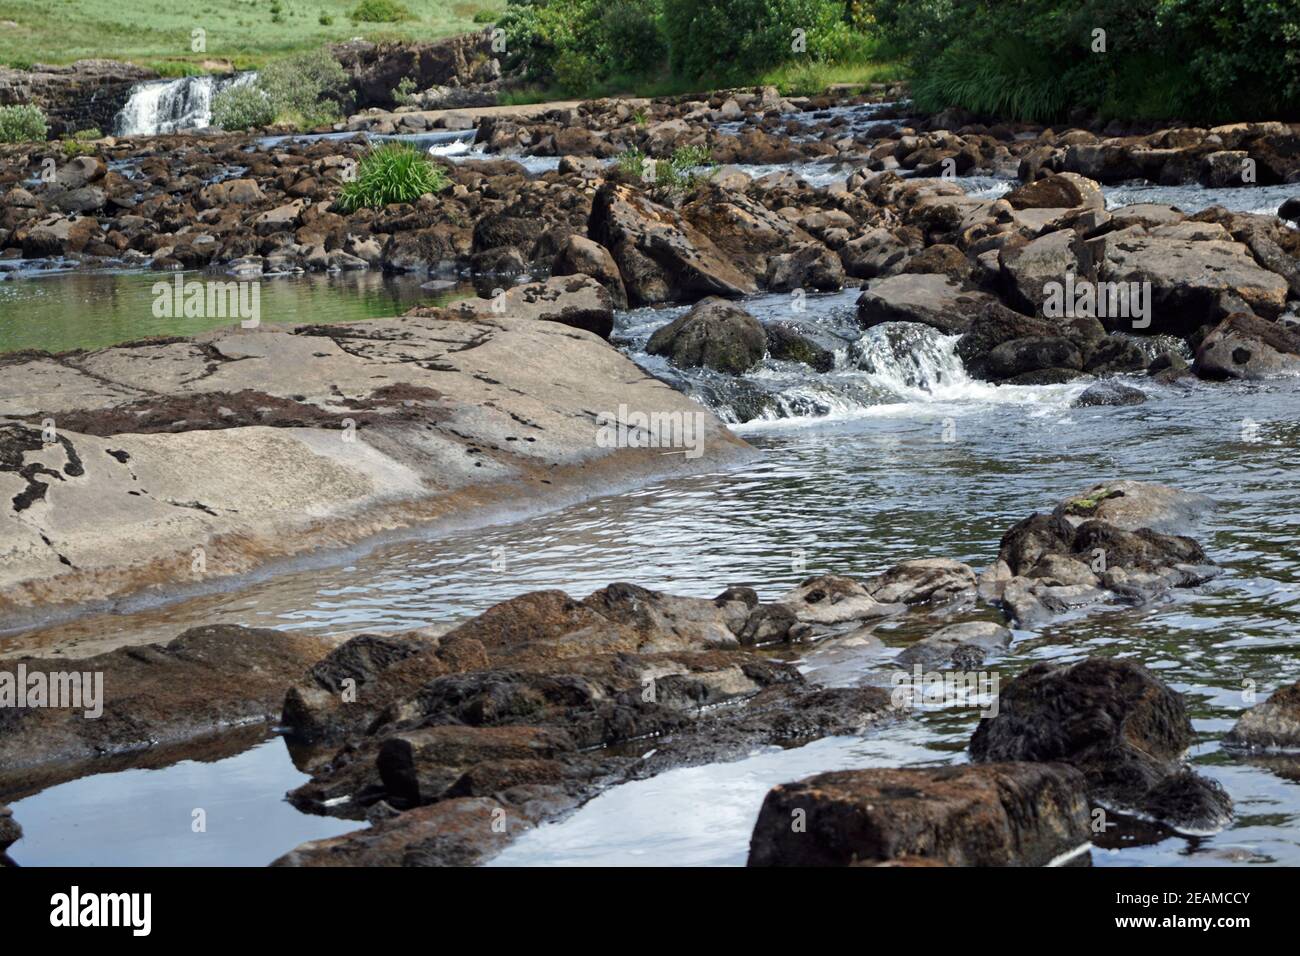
178 461
207 680
1008 814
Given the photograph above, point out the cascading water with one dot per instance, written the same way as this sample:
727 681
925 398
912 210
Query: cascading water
168 106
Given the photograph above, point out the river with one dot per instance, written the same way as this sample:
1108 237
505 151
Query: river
894 454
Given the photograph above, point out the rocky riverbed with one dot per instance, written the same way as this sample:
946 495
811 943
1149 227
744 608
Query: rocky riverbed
170 464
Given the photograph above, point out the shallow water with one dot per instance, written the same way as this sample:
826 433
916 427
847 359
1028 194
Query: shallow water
59 311
858 472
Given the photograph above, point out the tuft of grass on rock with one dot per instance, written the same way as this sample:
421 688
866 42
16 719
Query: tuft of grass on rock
392 173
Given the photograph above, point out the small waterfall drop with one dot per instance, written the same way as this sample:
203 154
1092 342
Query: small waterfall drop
169 106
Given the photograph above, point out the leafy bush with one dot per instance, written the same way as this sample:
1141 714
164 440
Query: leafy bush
379 11
1035 59
392 173
740 39
579 43
242 107
23 123
310 88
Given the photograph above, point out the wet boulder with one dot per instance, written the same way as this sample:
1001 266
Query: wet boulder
661 256
578 255
1244 346
1002 344
1271 725
1109 393
792 342
714 334
997 814
1290 210
749 234
811 266
930 299
1116 722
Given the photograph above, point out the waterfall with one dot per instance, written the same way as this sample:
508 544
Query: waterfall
167 106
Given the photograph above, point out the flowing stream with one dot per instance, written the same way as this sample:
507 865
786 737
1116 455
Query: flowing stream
895 453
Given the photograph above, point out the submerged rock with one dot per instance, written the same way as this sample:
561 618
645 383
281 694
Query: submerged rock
964 645
997 814
1115 721
1271 725
1110 393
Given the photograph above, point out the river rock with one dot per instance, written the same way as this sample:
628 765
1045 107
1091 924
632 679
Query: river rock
579 301
934 580
1290 210
714 333
792 342
580 256
875 253
933 300
1057 191
829 599
1132 505
205 680
965 645
1027 267
1115 721
811 266
1271 725
660 255
1188 280
997 814
1109 393
1244 346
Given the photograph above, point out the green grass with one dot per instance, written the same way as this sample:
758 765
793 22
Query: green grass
240 32
393 173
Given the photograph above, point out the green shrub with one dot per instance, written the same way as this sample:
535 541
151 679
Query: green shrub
740 39
379 11
308 89
392 173
1164 59
242 107
23 123
402 92
579 43
325 19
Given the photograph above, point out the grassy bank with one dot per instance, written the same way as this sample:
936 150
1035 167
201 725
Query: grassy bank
245 33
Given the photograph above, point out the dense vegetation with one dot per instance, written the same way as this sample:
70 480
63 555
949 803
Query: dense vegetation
1042 59
581 46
